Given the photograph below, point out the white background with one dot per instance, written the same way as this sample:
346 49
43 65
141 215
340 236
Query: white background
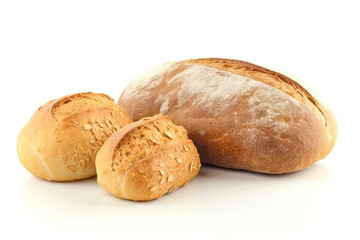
52 48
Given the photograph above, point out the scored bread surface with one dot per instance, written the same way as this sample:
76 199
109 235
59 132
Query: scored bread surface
147 159
78 103
268 77
238 114
61 140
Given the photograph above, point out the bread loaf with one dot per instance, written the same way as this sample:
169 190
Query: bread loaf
147 159
61 140
238 114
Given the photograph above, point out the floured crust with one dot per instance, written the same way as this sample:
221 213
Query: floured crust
147 159
239 115
60 143
267 76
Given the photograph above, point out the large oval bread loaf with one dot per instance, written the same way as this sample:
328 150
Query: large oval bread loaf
238 114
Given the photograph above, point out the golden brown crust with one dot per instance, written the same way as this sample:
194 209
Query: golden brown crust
147 159
62 138
264 122
266 76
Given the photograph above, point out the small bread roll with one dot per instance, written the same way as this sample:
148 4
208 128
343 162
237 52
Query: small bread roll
147 159
61 140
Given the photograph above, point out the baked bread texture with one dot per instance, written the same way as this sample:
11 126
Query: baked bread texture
238 114
147 159
61 140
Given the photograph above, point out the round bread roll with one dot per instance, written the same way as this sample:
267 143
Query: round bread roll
238 114
61 140
147 159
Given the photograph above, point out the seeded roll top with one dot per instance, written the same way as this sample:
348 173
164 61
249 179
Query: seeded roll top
160 134
147 159
61 140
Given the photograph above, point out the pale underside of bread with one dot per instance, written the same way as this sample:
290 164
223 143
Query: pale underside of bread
238 114
62 138
147 159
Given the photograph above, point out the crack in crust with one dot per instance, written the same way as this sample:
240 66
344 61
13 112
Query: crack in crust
145 140
72 104
268 77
